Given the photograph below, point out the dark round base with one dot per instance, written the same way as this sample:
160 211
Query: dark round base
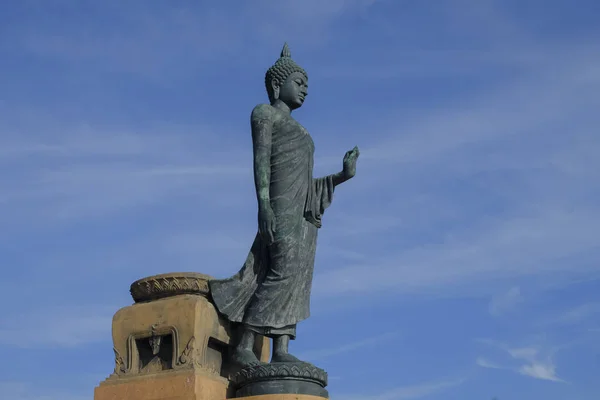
281 378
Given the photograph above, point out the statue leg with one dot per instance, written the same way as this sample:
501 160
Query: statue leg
280 350
243 353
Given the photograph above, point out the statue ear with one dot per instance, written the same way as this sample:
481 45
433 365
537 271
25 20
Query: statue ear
275 87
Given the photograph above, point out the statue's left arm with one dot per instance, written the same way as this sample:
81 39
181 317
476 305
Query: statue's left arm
338 178
349 168
321 194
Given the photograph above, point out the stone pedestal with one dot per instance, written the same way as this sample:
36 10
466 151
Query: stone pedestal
173 345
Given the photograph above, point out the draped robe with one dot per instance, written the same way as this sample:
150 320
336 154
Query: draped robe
271 292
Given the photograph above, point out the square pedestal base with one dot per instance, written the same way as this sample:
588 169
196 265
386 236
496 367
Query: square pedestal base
179 385
283 397
189 385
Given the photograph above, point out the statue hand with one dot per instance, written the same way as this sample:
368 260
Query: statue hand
350 162
266 223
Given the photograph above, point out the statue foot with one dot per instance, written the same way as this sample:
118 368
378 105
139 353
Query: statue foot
285 358
245 358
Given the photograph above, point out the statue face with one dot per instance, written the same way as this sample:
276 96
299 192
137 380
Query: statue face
294 90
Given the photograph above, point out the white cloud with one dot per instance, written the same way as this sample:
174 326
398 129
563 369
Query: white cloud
537 366
484 363
540 370
534 362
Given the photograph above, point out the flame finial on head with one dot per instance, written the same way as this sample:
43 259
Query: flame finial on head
285 52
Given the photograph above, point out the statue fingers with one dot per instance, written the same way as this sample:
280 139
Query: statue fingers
271 236
352 153
271 230
263 228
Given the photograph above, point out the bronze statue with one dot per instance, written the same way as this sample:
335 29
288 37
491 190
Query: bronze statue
271 292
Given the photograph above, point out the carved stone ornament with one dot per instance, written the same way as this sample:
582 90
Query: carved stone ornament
120 367
154 341
167 285
278 378
191 358
188 355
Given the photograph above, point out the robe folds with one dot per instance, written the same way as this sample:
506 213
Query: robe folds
271 292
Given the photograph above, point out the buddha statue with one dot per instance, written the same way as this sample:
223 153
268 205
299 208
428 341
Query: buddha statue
271 292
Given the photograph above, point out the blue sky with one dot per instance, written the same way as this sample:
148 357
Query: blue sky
461 262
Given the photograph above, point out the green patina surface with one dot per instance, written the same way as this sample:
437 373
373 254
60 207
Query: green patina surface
270 294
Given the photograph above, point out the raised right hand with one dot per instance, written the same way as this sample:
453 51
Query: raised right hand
266 224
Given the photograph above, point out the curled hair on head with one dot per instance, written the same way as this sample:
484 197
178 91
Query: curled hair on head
281 70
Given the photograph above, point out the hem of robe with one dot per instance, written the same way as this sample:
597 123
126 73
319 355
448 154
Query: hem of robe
232 296
271 332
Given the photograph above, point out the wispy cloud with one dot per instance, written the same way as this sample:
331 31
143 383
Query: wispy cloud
534 362
30 391
153 42
92 172
409 392
520 107
521 222
484 363
478 175
536 367
349 347
544 370
575 315
517 247
504 302
57 327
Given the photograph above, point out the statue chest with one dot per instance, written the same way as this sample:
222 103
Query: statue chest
290 135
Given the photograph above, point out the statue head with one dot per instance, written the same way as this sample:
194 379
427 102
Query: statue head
287 81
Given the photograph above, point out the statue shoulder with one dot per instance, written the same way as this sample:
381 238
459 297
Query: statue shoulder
263 111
